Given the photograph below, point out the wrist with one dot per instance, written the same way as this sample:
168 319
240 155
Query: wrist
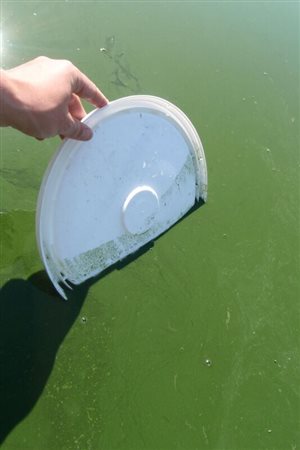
6 98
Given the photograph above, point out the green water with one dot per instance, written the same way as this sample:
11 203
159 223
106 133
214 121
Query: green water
195 344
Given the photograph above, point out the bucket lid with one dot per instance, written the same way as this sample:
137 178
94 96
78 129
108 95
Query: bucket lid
103 199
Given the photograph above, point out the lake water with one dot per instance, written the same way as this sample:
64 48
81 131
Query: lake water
195 344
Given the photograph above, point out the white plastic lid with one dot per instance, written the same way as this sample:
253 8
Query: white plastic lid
103 199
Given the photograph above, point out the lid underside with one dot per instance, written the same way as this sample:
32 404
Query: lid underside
103 199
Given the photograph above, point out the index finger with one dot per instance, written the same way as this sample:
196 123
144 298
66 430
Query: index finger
85 88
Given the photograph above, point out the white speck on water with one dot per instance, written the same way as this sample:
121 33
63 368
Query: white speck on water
88 413
244 99
227 318
269 431
266 73
270 159
78 48
102 49
208 362
175 381
255 102
205 434
189 425
144 164
292 119
173 329
34 14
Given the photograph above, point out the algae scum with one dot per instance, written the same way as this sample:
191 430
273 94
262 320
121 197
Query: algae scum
195 344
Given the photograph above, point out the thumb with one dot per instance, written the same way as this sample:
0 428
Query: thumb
74 129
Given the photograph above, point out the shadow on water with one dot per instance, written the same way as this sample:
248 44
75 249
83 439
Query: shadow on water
34 321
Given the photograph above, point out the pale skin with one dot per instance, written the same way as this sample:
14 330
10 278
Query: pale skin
42 98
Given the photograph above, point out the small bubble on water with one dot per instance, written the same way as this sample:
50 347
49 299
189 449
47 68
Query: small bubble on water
269 430
208 362
83 319
34 14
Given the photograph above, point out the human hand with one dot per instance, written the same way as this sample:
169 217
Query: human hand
41 98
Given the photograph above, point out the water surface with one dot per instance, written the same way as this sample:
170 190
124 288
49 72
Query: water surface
195 344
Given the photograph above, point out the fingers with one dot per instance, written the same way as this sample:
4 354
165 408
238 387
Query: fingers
86 89
77 111
74 129
75 108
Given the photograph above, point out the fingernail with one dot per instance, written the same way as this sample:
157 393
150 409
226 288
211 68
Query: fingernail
86 134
